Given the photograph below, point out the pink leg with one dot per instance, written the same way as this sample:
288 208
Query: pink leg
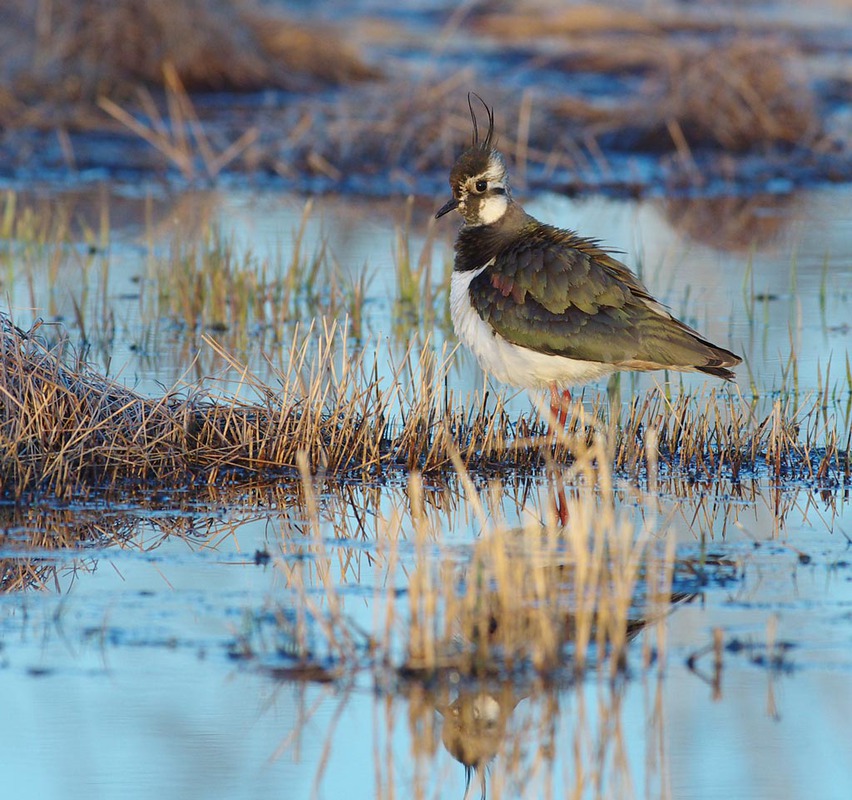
555 402
559 404
564 404
561 505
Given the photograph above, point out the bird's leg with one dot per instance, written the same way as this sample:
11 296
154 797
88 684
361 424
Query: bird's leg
559 411
555 404
561 505
560 502
564 405
559 405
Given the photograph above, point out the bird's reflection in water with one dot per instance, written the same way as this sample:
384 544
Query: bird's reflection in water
476 712
474 725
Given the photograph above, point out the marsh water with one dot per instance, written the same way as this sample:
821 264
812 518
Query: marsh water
146 659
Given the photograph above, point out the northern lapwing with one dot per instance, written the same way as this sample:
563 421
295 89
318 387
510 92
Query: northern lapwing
542 307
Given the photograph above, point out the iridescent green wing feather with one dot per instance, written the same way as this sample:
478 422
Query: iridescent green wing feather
557 293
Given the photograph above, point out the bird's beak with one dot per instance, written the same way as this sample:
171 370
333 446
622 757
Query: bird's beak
447 207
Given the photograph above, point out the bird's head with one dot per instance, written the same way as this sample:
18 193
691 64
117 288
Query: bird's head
478 179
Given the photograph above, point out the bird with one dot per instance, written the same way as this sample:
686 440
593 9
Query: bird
543 307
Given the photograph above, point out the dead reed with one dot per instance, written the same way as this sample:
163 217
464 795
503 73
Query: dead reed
535 598
64 427
469 631
540 602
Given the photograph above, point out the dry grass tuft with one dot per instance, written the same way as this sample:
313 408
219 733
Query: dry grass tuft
738 96
64 427
735 96
59 57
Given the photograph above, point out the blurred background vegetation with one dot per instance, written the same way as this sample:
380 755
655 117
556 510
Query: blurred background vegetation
364 96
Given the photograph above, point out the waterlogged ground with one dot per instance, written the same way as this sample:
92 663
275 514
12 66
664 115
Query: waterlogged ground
151 656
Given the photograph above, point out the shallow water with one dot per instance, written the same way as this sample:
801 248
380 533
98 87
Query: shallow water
123 669
120 677
760 275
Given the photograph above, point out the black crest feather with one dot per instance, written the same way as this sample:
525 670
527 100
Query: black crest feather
489 138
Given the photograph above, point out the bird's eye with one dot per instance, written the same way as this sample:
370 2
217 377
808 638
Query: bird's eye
481 185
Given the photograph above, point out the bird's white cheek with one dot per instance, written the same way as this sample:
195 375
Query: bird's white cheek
492 208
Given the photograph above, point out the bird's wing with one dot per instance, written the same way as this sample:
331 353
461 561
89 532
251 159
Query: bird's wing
563 295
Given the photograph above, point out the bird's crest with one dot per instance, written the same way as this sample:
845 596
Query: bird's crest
489 138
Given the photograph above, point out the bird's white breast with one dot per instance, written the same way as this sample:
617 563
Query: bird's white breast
508 362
